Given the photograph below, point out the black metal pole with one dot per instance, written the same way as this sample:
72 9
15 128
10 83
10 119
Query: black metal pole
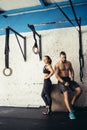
25 48
65 15
23 53
61 11
16 32
40 47
73 10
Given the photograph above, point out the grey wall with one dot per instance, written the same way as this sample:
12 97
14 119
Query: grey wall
23 87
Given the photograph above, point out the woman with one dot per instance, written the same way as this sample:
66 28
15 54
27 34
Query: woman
46 92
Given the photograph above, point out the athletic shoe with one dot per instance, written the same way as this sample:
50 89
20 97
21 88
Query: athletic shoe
72 108
72 115
46 111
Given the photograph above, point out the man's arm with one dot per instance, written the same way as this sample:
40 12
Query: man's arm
71 72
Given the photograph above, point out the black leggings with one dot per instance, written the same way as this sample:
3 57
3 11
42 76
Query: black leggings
46 92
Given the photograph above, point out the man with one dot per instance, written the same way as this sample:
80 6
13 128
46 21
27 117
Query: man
63 69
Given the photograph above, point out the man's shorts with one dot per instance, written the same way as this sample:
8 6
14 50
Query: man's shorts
73 85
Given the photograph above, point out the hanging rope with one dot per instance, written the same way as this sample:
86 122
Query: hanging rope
81 57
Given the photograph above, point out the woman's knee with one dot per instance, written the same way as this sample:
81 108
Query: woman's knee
79 90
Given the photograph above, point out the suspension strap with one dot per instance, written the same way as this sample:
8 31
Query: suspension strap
81 57
35 48
7 71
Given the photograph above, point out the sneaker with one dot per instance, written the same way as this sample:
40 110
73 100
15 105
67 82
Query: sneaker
72 108
72 115
46 111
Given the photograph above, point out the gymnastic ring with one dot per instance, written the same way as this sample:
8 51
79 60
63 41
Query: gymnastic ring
10 71
35 50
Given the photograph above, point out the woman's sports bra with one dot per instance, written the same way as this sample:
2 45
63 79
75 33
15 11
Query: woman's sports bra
45 70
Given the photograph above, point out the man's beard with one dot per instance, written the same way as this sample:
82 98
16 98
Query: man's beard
64 61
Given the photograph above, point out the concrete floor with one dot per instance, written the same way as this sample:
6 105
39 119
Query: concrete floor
32 119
